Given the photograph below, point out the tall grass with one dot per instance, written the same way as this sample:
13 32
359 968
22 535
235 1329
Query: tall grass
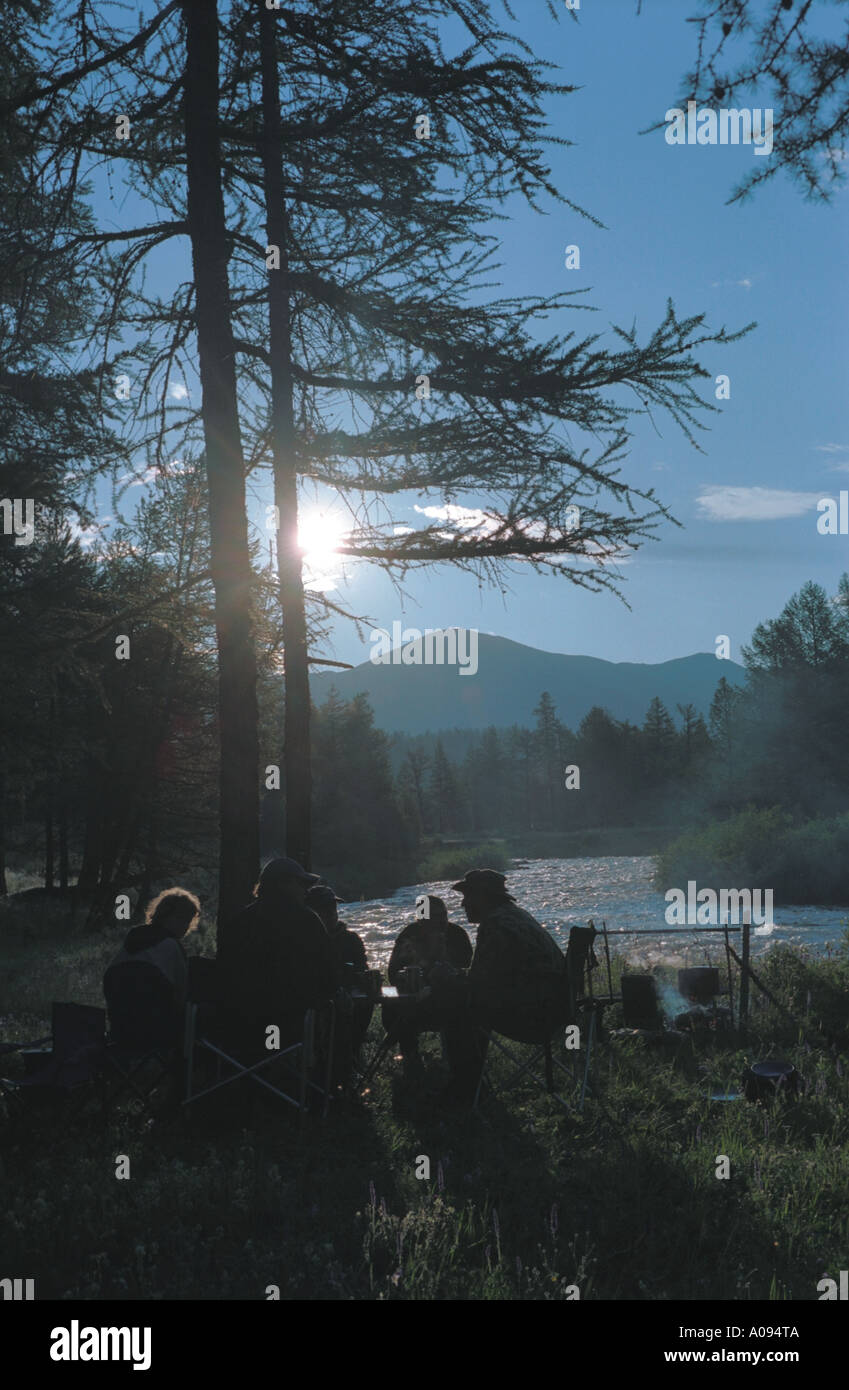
523 1202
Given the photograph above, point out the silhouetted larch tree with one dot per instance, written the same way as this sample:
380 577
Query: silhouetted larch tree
774 51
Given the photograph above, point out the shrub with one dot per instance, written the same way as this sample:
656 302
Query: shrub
807 863
443 864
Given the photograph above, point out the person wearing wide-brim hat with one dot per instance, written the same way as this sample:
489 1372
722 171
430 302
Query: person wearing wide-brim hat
277 959
515 984
514 953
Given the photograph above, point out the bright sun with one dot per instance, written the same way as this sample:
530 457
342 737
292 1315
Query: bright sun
319 534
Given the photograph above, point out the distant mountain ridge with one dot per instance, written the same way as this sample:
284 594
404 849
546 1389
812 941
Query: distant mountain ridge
508 683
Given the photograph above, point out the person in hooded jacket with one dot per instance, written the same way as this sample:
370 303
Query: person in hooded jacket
146 985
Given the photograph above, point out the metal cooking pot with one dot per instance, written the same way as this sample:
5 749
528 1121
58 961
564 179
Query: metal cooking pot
767 1080
700 983
640 1007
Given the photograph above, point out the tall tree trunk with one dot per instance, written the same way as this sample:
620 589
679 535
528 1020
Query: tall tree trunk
93 838
149 869
296 753
48 848
62 786
63 840
50 795
3 885
229 553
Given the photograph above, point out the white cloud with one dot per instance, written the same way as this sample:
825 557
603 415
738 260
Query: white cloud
402 530
465 518
719 503
140 479
179 392
154 471
832 448
744 284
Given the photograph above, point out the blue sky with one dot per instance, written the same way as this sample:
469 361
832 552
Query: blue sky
748 502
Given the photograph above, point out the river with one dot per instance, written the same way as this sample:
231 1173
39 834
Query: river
564 893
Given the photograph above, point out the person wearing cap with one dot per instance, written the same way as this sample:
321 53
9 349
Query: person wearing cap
426 942
277 959
348 949
353 1015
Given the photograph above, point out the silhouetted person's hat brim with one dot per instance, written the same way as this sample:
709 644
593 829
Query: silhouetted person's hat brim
321 893
284 871
486 880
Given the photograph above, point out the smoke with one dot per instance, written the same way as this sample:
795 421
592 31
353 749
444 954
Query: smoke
671 1000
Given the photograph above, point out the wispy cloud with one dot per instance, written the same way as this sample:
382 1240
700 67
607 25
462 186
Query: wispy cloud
178 392
832 448
152 472
718 503
744 284
140 479
465 518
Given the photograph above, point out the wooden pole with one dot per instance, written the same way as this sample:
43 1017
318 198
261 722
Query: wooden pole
607 958
730 977
744 978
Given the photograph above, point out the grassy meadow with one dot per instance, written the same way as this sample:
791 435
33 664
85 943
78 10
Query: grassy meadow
523 1201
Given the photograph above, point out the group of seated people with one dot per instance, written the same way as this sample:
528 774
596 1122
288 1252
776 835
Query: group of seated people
287 951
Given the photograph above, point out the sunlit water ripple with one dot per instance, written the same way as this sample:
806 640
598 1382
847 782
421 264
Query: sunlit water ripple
564 893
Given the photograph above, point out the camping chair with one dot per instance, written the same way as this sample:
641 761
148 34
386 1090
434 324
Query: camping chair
71 1063
143 1046
213 1034
567 1006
